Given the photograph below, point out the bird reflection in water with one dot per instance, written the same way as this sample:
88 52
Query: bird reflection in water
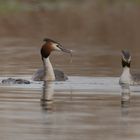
125 98
125 110
47 95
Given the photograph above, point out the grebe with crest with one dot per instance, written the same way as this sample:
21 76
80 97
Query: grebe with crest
47 73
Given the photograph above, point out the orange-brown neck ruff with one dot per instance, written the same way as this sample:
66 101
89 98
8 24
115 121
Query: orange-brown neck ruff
46 49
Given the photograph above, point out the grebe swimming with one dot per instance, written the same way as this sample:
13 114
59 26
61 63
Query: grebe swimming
47 73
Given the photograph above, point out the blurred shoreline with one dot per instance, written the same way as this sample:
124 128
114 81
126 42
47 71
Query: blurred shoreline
108 22
97 30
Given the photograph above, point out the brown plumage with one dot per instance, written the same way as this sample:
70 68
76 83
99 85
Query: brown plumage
46 49
47 73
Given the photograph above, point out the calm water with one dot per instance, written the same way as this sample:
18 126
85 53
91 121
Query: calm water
86 107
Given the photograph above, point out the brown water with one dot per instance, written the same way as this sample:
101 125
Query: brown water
77 113
70 117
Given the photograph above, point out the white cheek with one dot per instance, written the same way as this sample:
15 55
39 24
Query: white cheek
124 58
54 46
129 60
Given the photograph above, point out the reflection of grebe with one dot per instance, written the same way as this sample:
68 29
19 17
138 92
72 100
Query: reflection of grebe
127 77
47 94
47 73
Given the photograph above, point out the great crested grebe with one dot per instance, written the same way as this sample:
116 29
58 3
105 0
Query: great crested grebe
126 76
47 73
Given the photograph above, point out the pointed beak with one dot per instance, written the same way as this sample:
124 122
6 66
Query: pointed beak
64 50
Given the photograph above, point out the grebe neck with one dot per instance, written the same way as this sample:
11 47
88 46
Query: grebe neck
48 70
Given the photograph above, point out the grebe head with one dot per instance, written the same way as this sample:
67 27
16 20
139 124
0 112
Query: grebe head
51 45
126 58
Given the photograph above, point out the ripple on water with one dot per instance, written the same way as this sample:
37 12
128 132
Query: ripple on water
82 85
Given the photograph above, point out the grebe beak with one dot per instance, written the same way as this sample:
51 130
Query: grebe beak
64 50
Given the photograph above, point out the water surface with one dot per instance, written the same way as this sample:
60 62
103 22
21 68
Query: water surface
86 107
